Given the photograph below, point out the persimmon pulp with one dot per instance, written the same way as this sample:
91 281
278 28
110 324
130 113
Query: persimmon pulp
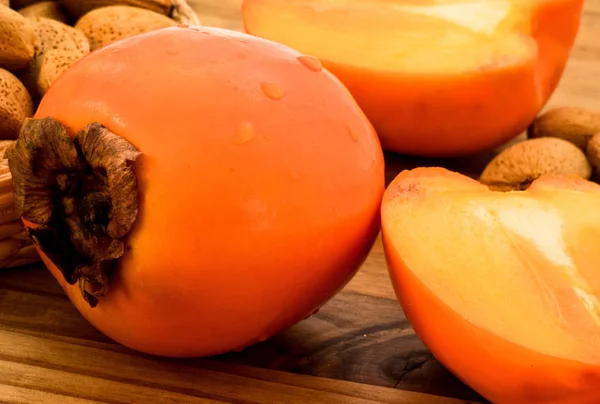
461 36
435 78
501 287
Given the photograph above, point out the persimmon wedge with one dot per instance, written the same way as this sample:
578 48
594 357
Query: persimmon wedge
436 78
501 287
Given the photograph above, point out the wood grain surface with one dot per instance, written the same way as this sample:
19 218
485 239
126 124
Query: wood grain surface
358 349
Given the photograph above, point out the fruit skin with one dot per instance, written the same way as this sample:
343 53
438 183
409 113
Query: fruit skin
254 211
449 115
501 371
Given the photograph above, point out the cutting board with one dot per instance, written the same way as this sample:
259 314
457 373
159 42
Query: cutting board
359 349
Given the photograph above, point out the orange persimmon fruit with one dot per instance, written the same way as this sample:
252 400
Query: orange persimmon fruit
435 77
197 190
501 287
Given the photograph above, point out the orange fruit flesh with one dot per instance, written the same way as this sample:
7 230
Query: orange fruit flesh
501 371
435 78
503 288
515 255
430 38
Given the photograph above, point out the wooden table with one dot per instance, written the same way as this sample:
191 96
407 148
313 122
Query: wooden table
358 349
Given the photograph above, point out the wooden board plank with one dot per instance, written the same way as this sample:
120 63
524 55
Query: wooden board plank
344 341
20 395
57 368
358 349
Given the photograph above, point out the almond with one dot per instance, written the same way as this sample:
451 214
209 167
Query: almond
55 63
593 154
15 105
64 42
18 4
77 8
517 166
177 9
109 24
17 40
577 125
48 9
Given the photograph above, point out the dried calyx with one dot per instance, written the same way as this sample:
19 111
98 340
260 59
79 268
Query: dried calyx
81 193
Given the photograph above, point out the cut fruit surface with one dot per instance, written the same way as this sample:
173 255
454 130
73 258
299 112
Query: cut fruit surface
434 77
433 38
502 287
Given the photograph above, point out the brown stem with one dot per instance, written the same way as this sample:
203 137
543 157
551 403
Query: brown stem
182 12
82 193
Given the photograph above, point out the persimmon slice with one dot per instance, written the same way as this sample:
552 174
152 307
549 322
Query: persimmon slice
505 261
398 36
512 278
435 78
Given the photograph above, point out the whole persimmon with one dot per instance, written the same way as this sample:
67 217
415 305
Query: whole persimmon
435 77
502 287
197 190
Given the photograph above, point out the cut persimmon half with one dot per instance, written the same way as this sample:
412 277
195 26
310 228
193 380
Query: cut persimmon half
503 288
436 78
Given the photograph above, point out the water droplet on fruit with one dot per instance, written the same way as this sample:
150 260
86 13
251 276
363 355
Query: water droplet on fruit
352 134
311 62
246 132
273 90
